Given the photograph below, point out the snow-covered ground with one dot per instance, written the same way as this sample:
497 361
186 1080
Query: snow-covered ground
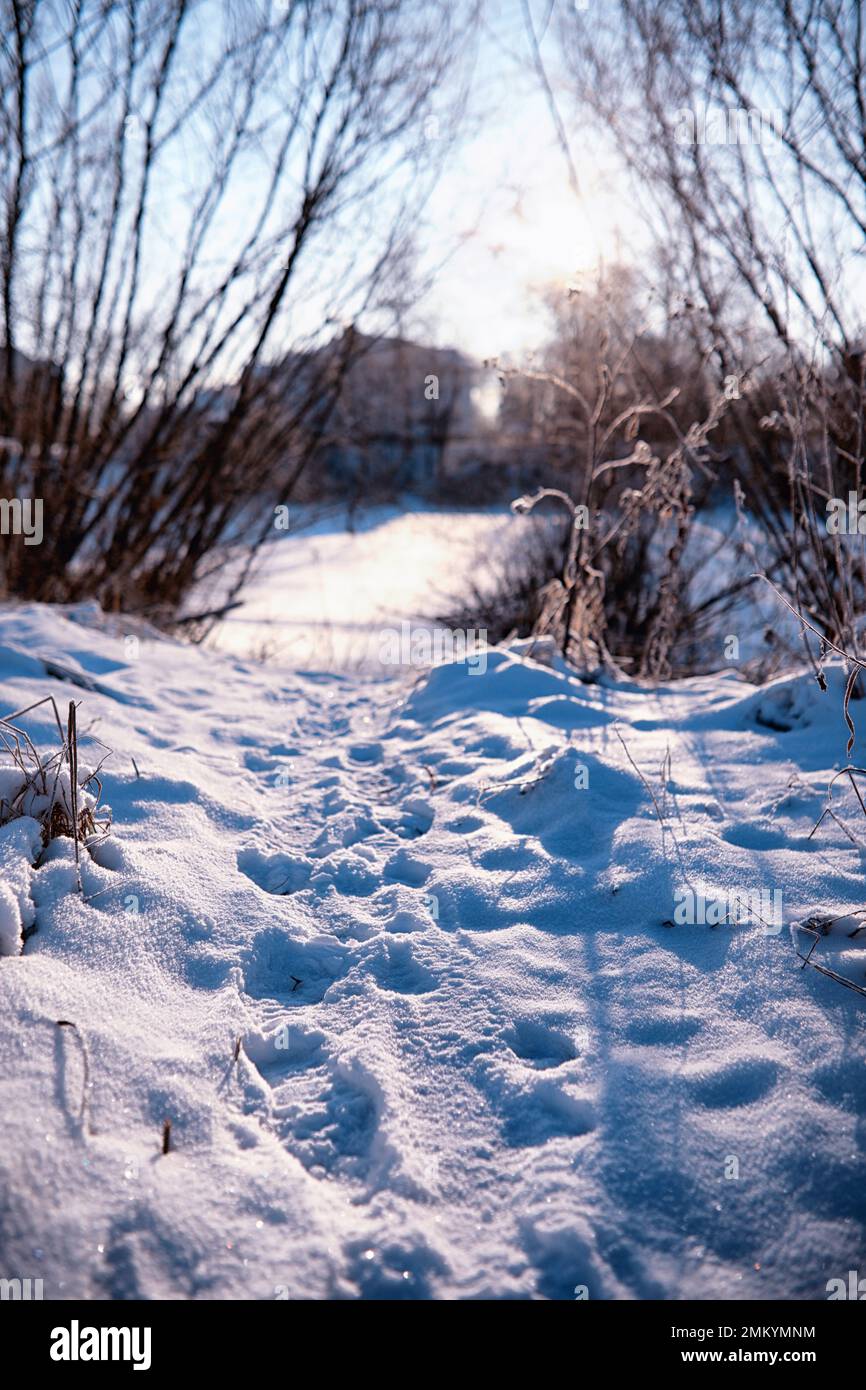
323 595
402 961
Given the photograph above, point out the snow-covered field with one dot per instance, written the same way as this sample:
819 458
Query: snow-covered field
323 595
402 961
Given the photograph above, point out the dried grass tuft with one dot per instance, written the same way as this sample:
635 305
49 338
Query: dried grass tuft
53 788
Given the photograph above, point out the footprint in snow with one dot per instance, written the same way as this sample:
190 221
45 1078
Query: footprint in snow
842 1085
417 818
328 1117
546 1112
365 752
397 970
748 836
403 867
741 1082
663 1029
280 968
539 1045
394 1269
276 873
323 1110
289 1048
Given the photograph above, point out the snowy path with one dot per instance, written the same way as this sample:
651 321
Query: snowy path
474 1059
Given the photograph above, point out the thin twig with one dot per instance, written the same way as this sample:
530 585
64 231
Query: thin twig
825 970
840 651
642 778
72 754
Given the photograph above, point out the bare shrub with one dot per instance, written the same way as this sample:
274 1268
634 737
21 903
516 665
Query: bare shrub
193 209
618 591
742 126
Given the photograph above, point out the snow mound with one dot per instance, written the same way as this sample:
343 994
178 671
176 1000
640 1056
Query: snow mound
10 922
20 842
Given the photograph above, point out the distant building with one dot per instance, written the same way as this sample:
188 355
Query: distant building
401 406
405 417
